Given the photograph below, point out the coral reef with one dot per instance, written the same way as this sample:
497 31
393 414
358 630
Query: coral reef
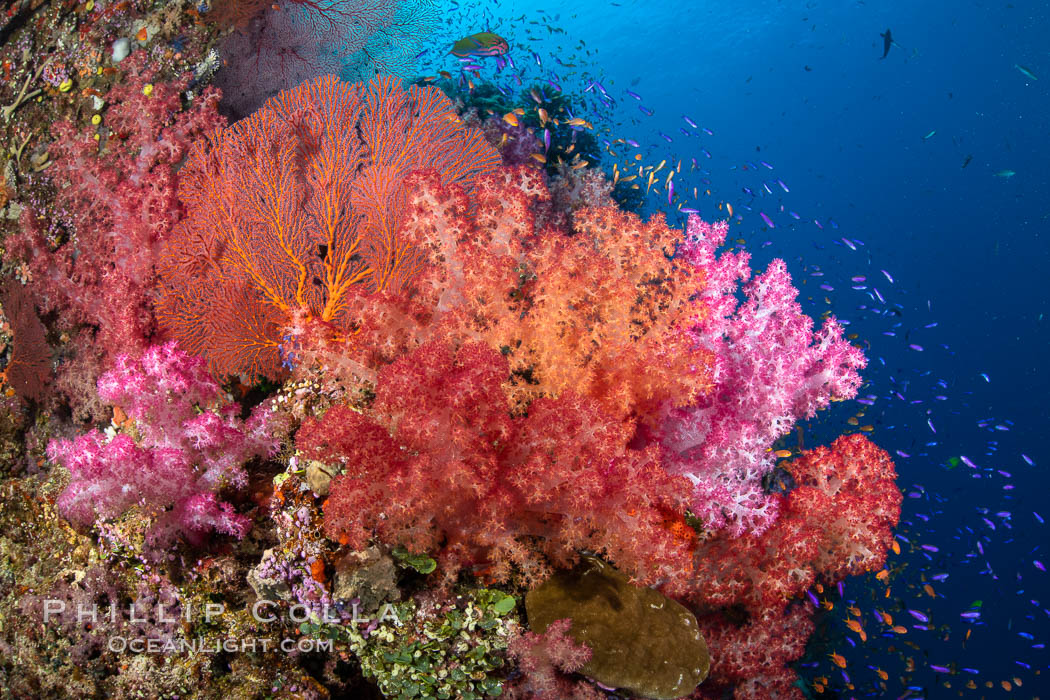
315 402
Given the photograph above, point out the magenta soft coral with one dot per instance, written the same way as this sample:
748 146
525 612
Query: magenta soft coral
771 370
438 464
192 445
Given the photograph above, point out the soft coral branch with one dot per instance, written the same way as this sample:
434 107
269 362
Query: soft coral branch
771 370
192 445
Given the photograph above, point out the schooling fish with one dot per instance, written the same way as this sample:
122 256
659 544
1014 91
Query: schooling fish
481 44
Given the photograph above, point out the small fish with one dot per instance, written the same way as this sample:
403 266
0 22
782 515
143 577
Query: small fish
690 122
1005 174
838 659
481 44
918 616
929 135
511 118
1027 73
769 222
967 161
645 110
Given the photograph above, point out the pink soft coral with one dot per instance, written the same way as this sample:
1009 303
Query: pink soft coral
192 445
771 370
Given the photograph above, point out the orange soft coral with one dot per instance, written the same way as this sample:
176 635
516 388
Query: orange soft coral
598 310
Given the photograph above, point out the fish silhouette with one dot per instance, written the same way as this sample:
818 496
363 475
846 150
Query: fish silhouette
887 42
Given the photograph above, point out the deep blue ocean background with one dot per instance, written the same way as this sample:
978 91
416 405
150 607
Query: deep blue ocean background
925 173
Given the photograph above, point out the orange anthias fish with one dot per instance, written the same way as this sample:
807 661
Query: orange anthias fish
481 44
838 659
855 626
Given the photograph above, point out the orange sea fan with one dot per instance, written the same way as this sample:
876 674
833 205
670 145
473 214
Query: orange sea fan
298 208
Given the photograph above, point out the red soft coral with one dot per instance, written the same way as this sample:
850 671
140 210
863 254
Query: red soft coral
439 464
597 309
838 522
752 657
116 201
861 507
